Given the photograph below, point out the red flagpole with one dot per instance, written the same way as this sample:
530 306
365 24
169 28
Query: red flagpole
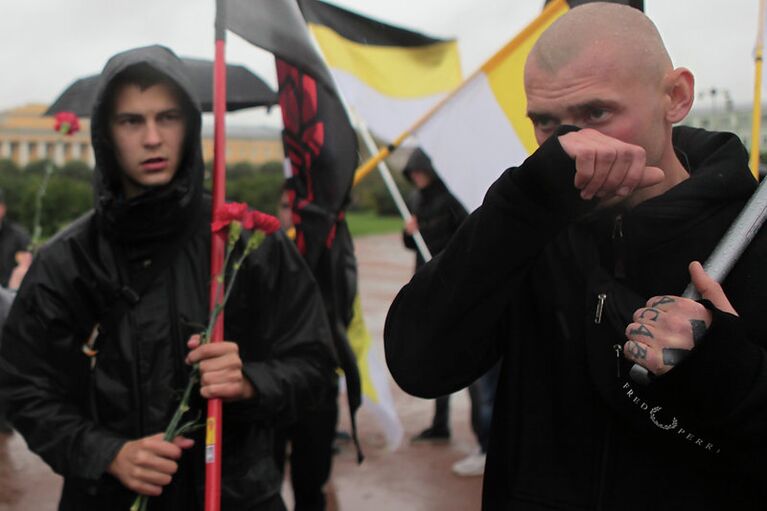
217 248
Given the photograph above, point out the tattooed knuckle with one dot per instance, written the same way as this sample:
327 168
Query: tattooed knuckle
661 301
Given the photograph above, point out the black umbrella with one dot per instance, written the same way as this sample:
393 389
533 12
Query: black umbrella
243 90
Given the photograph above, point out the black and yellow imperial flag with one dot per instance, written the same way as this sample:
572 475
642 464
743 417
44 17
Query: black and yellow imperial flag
487 112
389 75
321 148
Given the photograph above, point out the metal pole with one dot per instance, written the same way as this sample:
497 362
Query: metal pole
726 254
383 169
757 113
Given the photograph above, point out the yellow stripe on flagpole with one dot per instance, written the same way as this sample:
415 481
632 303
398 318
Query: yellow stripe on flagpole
505 73
757 114
552 11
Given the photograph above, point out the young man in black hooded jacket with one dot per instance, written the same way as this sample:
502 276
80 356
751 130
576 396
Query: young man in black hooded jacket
128 285
572 270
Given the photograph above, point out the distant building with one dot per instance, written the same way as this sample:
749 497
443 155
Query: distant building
736 119
253 144
27 136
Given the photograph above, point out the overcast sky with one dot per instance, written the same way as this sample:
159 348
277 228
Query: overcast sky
47 44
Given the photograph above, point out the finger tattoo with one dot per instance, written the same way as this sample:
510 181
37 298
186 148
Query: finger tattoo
641 330
663 300
653 313
698 330
672 356
636 351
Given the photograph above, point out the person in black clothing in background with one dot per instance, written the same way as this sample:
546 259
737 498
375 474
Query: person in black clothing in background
14 242
15 259
100 338
572 270
7 294
309 440
437 214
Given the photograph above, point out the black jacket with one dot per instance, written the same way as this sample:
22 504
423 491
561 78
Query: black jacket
521 280
13 238
438 212
75 415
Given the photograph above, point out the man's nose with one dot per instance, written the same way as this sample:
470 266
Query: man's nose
152 135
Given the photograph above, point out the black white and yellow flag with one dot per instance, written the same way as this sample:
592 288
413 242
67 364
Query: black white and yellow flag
390 76
482 128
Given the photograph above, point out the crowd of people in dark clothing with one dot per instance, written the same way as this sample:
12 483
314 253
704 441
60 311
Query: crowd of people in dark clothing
539 302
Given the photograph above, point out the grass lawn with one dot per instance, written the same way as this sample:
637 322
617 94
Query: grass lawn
365 224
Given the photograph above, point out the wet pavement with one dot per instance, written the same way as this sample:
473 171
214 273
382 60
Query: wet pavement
411 478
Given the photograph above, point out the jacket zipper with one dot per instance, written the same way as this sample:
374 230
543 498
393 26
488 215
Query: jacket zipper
619 248
134 340
133 337
618 351
175 334
603 469
601 297
619 271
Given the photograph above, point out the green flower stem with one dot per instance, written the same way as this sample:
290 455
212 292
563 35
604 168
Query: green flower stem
141 502
252 244
37 231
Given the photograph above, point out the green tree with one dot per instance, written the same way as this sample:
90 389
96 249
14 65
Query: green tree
240 169
68 195
12 184
37 167
372 195
77 170
260 191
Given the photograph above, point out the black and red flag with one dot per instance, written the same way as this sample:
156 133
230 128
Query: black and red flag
321 147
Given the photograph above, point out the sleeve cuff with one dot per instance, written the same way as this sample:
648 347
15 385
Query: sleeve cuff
549 174
719 373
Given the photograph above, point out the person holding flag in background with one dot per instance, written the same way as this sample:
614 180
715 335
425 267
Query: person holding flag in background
99 341
437 215
572 270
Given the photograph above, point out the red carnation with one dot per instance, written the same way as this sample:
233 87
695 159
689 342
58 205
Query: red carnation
250 219
67 123
258 220
227 213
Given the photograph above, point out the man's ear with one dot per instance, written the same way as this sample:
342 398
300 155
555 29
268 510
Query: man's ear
680 93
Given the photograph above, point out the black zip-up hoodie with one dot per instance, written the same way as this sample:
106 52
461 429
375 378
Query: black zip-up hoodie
439 213
140 269
540 279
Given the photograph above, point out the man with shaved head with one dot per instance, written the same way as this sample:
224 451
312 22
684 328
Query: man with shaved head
572 271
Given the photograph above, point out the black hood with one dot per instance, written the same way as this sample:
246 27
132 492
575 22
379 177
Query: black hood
162 211
419 160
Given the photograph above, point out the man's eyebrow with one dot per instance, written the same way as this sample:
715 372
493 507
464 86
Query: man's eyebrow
592 104
174 110
127 115
134 115
537 117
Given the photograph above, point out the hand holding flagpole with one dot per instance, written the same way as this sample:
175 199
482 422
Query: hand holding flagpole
725 255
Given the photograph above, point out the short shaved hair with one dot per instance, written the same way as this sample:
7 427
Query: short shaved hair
622 29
